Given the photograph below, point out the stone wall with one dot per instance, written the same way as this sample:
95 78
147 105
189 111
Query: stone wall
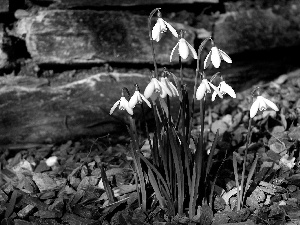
63 63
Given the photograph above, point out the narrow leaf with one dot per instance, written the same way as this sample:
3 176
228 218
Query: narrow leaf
106 184
251 172
212 151
236 176
156 188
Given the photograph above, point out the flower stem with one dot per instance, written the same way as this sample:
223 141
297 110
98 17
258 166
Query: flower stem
240 204
181 73
151 40
197 167
137 163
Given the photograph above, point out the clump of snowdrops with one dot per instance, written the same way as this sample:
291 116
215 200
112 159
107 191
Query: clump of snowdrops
177 173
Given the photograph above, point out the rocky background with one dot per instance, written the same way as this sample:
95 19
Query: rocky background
64 62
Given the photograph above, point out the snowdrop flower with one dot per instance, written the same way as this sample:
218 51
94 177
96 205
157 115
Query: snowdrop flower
205 87
261 104
156 88
184 49
123 105
160 27
137 98
215 56
170 86
224 89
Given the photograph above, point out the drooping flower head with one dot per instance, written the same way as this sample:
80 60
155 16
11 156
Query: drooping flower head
184 48
123 105
261 104
160 27
224 89
156 88
137 98
204 88
215 56
165 81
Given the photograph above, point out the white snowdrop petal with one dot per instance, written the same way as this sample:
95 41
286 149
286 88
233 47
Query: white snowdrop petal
215 57
145 100
133 100
165 88
162 24
128 109
271 104
173 51
163 94
156 32
183 49
205 81
227 89
192 50
254 108
213 96
262 103
200 91
157 85
149 89
173 31
114 107
124 104
225 57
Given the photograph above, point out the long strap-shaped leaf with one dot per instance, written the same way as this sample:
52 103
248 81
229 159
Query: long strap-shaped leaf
156 188
134 151
251 172
236 176
165 189
176 152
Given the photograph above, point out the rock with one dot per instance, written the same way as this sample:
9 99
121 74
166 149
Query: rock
294 180
76 220
258 29
21 222
86 36
95 3
25 211
36 111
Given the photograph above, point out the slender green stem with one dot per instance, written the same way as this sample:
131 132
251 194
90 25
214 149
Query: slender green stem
244 164
157 138
197 167
198 163
135 150
181 73
146 125
151 40
199 63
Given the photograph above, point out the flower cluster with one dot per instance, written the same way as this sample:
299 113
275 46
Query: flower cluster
153 90
167 142
163 87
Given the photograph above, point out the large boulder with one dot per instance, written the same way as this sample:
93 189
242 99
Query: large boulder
36 110
258 29
85 36
97 3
